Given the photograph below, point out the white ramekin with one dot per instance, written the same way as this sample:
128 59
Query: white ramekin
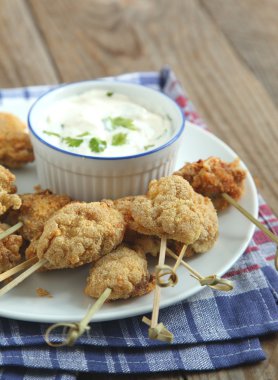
92 178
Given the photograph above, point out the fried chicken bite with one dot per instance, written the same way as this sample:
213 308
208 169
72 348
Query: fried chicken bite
9 250
212 177
209 231
168 210
7 189
35 210
80 233
124 271
15 144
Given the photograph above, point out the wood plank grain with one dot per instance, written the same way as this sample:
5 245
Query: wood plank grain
24 60
252 28
93 38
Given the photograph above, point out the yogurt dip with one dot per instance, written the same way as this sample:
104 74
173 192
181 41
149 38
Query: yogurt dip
104 123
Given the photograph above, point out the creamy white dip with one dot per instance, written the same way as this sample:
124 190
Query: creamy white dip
101 123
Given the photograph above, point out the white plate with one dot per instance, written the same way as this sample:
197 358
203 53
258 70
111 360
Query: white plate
70 304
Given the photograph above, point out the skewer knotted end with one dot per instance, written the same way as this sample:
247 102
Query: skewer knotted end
159 332
75 330
217 283
165 270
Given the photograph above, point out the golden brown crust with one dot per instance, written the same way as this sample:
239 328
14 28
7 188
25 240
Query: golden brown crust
7 180
168 210
9 250
124 271
15 144
209 232
80 233
212 177
7 189
35 210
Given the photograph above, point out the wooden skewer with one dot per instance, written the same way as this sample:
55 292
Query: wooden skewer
180 257
212 281
255 221
157 292
75 330
158 330
18 268
10 230
22 277
184 263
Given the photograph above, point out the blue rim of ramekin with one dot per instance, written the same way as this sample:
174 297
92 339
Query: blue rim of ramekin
168 143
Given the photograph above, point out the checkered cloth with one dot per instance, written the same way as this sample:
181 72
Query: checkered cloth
212 329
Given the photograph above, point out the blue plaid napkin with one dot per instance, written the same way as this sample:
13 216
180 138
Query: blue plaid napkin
212 330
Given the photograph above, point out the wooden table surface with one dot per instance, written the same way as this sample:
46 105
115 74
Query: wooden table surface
225 54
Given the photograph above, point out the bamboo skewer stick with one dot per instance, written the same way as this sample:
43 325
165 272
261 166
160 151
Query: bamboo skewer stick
22 277
157 292
158 330
212 281
10 230
255 221
180 257
250 217
75 330
18 268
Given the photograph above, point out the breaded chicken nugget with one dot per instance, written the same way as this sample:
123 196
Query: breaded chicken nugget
124 271
7 188
9 250
7 180
169 210
15 145
212 177
209 231
35 210
80 233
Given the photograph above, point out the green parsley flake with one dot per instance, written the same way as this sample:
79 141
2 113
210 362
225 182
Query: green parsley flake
51 133
147 147
122 122
97 145
109 94
72 142
119 139
83 134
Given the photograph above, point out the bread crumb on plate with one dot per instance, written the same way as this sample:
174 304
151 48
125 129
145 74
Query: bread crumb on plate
43 293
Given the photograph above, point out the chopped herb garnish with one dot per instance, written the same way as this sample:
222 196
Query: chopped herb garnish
109 93
51 133
62 125
169 117
83 134
119 139
122 122
97 145
146 147
72 142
